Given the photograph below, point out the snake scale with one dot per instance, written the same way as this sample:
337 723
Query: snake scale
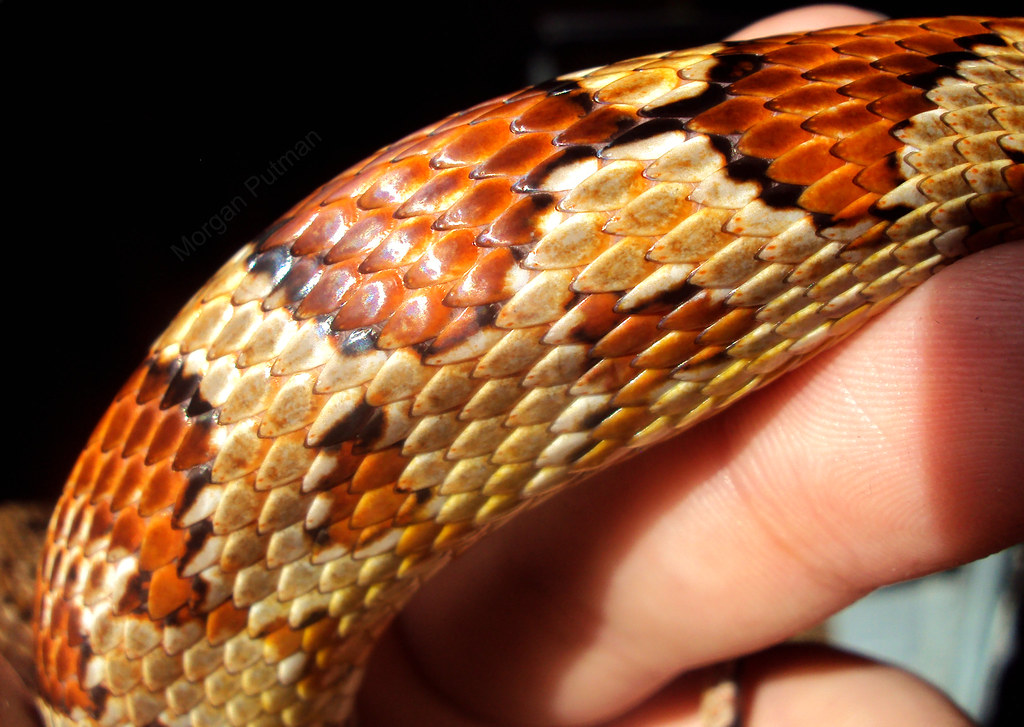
483 312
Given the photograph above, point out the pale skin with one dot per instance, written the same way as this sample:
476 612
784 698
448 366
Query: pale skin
892 456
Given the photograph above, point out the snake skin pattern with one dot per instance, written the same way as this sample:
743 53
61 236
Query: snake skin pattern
483 312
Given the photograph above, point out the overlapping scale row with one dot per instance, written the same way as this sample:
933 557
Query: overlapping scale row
483 311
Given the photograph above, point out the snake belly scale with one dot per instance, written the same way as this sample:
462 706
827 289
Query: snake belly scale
483 312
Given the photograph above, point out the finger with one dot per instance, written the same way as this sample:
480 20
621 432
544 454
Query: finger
16 708
808 686
807 18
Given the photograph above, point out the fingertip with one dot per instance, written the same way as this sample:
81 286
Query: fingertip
812 684
807 18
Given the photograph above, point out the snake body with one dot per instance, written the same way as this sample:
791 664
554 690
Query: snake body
483 312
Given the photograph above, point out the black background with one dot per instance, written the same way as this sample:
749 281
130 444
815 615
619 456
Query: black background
127 128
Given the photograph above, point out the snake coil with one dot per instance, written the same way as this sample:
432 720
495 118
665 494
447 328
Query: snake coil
483 312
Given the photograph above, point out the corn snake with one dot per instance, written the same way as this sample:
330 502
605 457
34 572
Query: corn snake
613 180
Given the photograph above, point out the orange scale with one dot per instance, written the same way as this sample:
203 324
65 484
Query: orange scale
167 592
341 504
880 176
806 163
807 101
904 62
224 622
425 145
553 113
871 48
361 237
696 314
127 533
836 36
343 464
369 301
336 536
377 506
281 644
631 337
396 182
74 629
346 186
436 195
161 489
841 120
198 445
158 375
587 322
291 229
419 318
771 81
481 205
473 144
607 376
318 635
956 26
703 364
167 436
130 479
373 534
842 71
468 332
67 661
102 520
833 192
868 243
355 180
326 229
804 54
665 353
117 423
520 224
83 477
403 245
491 280
729 328
379 469
517 157
161 543
326 295
416 538
894 29
873 87
868 145
447 259
507 109
598 127
930 44
766 45
142 430
773 137
732 116
901 105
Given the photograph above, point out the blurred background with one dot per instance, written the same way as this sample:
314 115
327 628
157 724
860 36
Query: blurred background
130 129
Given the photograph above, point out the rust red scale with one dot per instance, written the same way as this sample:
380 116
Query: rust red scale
484 311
